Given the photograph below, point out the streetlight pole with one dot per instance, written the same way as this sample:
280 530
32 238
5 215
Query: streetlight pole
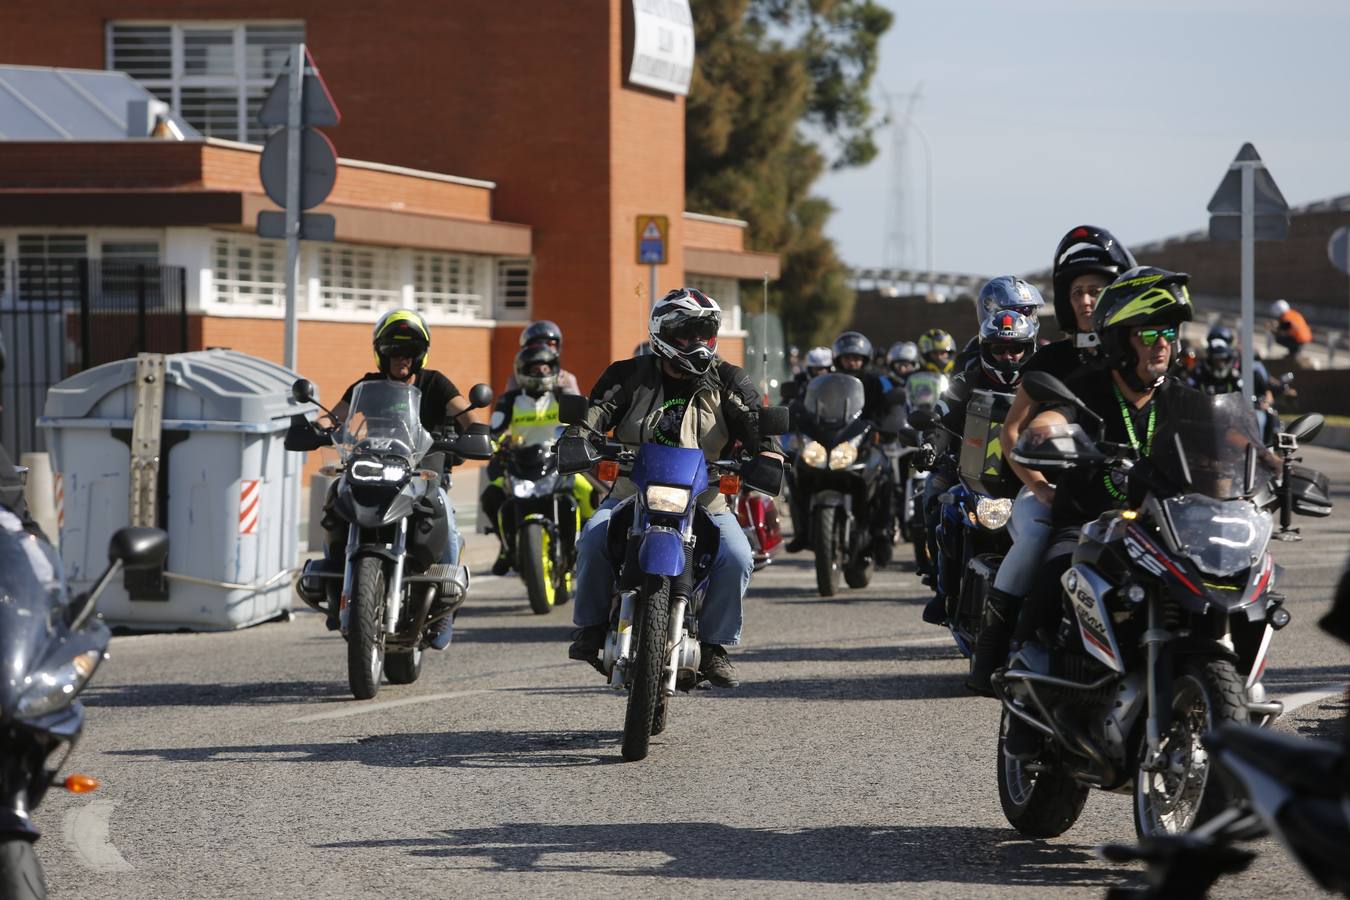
928 177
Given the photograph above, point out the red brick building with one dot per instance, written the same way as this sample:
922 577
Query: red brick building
495 160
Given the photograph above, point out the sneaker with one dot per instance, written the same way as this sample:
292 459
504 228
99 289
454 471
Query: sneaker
935 613
587 643
716 666
441 632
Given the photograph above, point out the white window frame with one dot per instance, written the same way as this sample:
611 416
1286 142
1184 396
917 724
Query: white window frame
94 239
247 293
473 299
177 80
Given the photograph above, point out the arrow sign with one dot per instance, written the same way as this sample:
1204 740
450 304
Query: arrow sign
316 106
1270 209
651 240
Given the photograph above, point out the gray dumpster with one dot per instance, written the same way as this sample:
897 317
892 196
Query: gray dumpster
192 443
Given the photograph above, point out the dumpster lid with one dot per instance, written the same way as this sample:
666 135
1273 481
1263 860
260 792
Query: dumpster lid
230 386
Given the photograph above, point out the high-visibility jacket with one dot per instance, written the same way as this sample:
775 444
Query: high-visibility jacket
1293 324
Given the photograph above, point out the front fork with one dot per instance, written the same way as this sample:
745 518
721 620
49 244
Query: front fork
1153 639
393 603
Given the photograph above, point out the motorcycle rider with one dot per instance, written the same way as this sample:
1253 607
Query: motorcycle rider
852 356
682 396
547 334
1086 260
902 359
938 350
527 414
1217 371
401 341
1007 342
1006 292
1136 318
819 361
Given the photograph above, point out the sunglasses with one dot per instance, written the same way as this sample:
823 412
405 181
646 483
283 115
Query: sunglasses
1150 336
1006 352
699 329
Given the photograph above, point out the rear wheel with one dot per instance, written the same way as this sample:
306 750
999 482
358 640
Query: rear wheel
1039 804
644 689
365 628
20 872
535 562
1183 790
403 666
826 544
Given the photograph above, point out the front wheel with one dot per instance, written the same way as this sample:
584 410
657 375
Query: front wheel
644 688
20 872
828 550
535 562
1039 804
1181 791
365 628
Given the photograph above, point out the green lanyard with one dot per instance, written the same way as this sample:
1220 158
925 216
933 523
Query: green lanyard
1115 492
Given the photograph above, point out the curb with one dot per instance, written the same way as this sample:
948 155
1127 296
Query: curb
1332 437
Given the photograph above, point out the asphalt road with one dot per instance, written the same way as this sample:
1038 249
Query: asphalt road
850 760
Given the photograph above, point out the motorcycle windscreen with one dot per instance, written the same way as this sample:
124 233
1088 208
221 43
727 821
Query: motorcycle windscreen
31 588
384 419
834 400
1202 440
924 389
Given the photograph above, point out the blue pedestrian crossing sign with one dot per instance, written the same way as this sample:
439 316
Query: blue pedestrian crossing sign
653 233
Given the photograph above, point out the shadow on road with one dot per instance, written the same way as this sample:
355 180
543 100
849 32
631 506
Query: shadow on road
242 694
709 850
883 653
460 749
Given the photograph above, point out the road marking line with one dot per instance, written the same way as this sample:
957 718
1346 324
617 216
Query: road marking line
1297 701
86 833
362 709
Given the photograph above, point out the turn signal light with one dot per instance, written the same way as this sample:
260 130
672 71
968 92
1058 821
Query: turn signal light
81 784
729 484
607 470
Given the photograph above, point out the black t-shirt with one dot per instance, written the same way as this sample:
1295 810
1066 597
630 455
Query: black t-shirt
1058 358
437 391
1083 494
676 392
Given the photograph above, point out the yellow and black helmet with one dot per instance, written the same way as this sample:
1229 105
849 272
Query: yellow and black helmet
404 331
1143 295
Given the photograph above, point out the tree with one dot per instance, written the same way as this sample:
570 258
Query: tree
770 74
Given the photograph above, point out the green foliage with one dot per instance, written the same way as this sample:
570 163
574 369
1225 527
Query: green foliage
767 73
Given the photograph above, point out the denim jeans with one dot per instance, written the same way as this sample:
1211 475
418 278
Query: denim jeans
1030 530
719 618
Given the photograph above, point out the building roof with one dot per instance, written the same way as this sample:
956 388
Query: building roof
44 104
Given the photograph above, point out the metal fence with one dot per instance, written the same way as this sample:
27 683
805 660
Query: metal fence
62 316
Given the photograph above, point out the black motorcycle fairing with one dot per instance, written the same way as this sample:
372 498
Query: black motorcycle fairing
833 400
31 596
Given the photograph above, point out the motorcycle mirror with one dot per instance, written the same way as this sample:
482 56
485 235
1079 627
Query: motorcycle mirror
572 409
773 420
139 548
1306 427
923 419
302 391
480 395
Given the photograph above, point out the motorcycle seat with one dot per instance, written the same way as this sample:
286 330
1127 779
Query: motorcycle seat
1310 767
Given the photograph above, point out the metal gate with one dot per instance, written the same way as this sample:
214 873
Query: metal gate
62 316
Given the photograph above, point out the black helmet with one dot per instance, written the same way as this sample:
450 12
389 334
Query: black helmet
542 332
530 358
1143 295
852 343
1007 328
404 331
1219 357
1221 333
1084 249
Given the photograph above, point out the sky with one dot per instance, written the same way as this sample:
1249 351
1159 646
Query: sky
1046 114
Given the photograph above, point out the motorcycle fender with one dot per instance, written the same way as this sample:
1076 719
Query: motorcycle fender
830 498
1086 591
662 552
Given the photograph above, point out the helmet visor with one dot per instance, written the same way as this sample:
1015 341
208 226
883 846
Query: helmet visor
702 329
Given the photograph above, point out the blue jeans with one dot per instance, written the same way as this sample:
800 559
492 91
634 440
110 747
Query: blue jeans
719 618
1030 530
454 546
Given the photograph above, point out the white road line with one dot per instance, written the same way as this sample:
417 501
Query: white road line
360 709
1293 702
86 833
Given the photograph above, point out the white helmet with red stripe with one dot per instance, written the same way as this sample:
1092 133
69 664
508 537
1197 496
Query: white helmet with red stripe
683 329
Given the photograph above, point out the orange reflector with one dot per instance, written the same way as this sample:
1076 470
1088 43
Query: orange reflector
607 470
81 784
729 484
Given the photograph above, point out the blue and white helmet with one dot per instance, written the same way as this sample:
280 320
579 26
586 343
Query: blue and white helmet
1008 292
1007 340
683 329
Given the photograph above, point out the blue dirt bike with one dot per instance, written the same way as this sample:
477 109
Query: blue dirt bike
667 544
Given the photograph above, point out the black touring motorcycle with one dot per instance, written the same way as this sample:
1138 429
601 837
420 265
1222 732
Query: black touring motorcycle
392 588
1170 607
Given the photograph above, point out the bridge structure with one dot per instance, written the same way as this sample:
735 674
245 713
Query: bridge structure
895 281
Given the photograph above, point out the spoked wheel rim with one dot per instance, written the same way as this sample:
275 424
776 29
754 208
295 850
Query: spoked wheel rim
1169 798
1021 783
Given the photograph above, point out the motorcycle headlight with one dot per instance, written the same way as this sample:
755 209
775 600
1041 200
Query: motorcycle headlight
843 455
373 470
666 499
993 514
51 689
813 454
522 487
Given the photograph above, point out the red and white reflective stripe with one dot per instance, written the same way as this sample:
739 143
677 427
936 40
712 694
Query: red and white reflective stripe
59 500
250 505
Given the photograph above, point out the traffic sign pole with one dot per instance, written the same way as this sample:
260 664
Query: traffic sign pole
294 132
651 287
1248 269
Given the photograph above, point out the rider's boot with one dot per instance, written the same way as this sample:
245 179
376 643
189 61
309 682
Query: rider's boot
991 647
715 665
441 632
502 564
587 642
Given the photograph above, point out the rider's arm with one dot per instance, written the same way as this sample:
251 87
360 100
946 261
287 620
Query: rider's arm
1020 415
610 398
740 403
458 409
